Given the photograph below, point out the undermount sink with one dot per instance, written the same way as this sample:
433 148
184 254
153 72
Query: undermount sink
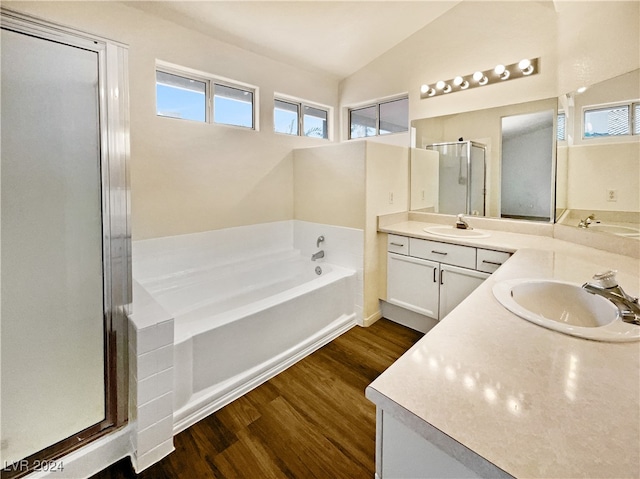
566 308
614 229
453 232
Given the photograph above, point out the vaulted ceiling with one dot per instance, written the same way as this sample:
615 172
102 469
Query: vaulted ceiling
334 37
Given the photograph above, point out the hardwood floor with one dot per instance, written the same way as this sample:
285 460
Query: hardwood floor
310 421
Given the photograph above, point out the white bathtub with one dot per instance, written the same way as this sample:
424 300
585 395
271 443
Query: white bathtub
238 324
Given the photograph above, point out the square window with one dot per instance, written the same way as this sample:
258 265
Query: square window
232 106
315 122
285 117
180 97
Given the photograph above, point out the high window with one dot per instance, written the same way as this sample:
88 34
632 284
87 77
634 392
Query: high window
611 120
298 118
204 98
381 118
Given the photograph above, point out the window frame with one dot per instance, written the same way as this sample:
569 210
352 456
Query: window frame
211 81
632 121
377 104
301 105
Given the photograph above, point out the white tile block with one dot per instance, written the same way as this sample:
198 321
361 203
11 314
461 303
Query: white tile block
155 435
155 410
146 365
164 357
153 456
164 333
155 386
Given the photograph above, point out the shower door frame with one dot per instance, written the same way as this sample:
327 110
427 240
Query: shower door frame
469 144
113 104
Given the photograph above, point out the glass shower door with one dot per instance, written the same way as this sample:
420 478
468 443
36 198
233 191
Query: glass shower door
52 291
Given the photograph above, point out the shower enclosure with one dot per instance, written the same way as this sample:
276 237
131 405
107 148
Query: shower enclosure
462 177
64 241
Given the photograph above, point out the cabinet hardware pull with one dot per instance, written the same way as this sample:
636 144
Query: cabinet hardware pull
438 252
491 262
441 276
434 274
396 244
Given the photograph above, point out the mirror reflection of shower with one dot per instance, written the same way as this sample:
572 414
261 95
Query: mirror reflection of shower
461 177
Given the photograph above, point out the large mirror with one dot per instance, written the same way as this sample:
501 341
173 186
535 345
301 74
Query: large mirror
596 175
517 144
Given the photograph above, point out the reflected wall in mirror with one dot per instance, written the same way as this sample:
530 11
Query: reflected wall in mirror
599 176
527 166
483 127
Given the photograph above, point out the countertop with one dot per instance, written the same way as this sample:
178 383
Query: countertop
486 385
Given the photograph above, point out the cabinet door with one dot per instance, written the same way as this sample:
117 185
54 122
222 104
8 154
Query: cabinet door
455 285
413 284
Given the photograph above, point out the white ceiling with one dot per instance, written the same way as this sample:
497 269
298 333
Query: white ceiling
335 37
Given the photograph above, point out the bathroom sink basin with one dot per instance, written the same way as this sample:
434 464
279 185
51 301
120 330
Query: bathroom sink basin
614 229
453 232
566 308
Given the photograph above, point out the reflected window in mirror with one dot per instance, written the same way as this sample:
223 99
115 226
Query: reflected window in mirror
561 126
610 121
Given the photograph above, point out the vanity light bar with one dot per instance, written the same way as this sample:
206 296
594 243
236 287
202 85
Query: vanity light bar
498 74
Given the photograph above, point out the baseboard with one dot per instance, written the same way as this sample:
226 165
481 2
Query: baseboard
366 322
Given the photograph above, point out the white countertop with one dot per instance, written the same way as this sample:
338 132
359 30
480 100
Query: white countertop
533 402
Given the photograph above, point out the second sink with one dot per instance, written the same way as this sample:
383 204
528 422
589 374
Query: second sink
566 308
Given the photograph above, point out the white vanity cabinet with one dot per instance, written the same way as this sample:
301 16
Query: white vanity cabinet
455 285
431 278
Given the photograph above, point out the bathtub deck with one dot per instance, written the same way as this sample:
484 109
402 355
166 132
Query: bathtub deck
310 421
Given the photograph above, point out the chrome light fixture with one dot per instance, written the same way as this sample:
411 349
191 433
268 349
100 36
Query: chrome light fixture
500 73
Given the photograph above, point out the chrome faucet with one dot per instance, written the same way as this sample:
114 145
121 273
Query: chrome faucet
462 224
318 255
606 285
587 221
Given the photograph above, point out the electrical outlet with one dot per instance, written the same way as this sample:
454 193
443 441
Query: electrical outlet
612 195
391 197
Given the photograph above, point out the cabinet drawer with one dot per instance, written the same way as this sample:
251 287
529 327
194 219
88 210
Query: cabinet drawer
447 253
489 260
398 244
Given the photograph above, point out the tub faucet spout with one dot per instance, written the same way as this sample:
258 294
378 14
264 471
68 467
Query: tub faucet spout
318 255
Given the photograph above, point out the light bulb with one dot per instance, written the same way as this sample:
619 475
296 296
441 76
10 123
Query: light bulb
447 89
424 89
477 76
457 81
525 66
440 85
499 69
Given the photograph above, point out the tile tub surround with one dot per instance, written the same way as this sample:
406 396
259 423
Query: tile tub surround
150 380
496 391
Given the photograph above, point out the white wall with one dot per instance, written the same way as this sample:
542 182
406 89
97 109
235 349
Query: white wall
471 36
188 177
578 42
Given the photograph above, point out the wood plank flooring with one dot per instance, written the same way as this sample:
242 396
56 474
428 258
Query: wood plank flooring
310 421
